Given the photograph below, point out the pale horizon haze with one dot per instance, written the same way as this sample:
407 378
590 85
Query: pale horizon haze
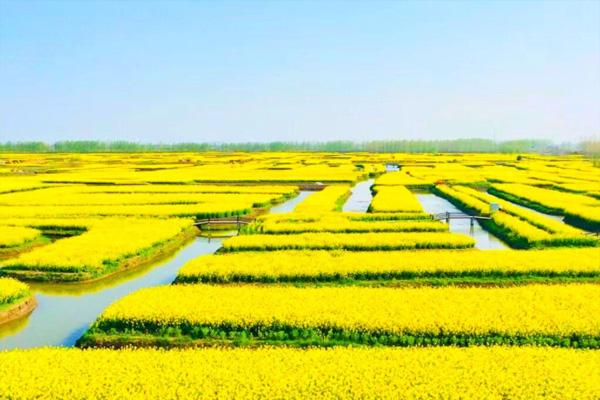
256 71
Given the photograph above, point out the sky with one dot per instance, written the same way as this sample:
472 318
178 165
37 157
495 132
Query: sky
254 71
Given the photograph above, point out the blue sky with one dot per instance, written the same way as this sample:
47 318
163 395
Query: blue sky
174 71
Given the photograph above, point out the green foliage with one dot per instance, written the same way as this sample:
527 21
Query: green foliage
278 333
377 146
403 278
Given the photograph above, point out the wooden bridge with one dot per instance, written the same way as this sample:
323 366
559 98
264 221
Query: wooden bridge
447 216
236 220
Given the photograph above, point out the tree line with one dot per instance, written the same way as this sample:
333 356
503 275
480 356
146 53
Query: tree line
377 146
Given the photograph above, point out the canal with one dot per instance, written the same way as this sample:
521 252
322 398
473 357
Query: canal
289 205
360 198
65 311
484 240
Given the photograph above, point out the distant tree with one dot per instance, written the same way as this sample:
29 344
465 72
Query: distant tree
377 146
590 147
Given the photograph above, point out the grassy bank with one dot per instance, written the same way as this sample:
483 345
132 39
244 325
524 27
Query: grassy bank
110 267
259 314
16 300
183 335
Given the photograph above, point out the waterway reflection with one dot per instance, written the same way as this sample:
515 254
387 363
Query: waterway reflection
483 239
65 311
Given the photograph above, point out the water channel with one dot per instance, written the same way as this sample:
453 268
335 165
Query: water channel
484 240
558 218
64 311
289 205
360 198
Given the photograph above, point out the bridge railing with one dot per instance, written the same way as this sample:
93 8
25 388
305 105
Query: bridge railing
444 215
456 215
236 220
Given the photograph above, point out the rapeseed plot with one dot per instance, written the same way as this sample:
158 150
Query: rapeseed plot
344 225
230 189
548 224
11 236
584 217
336 266
10 184
342 217
187 168
105 245
385 304
349 241
329 199
12 290
589 188
394 199
559 315
451 173
400 178
520 227
342 372
547 199
463 200
81 201
70 196
579 210
201 210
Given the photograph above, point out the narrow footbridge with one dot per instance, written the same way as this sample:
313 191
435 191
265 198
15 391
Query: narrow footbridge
447 216
235 220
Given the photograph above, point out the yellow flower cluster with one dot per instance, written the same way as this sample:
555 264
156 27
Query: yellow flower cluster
349 241
106 244
15 184
493 373
329 199
220 184
520 227
77 196
536 219
400 178
589 188
560 310
478 168
585 217
394 199
464 200
12 290
188 168
452 173
157 200
172 168
549 198
259 172
12 236
391 216
343 224
579 209
174 188
292 264
272 219
521 224
202 210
